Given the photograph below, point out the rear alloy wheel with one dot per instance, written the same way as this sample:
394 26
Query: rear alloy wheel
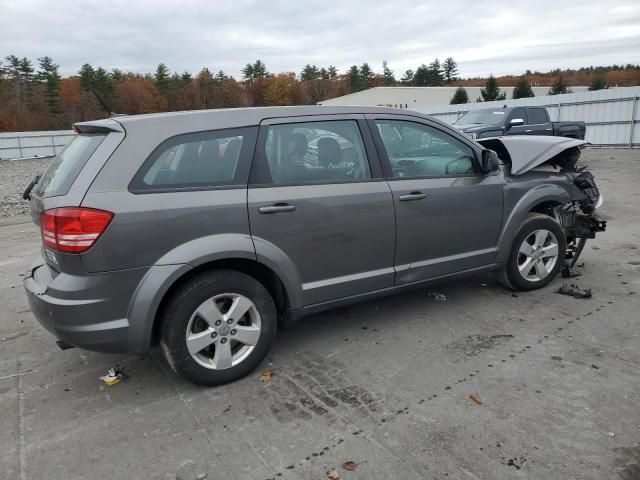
217 327
537 253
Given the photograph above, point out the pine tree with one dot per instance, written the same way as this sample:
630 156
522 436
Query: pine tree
366 76
434 74
309 72
598 82
450 70
491 90
353 79
407 78
387 74
87 76
161 78
460 96
49 76
559 87
522 89
333 71
421 76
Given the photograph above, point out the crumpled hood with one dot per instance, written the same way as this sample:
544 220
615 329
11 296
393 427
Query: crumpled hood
525 152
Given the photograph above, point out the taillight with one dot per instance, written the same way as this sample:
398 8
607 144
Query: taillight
73 229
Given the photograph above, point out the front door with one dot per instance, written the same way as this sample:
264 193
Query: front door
448 215
316 199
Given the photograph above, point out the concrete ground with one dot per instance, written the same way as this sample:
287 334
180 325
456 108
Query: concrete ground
384 384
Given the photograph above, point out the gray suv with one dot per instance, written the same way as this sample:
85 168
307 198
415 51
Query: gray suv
201 231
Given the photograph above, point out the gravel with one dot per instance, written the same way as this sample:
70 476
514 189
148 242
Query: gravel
14 177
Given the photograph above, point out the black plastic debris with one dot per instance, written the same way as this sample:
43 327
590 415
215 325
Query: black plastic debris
574 291
568 272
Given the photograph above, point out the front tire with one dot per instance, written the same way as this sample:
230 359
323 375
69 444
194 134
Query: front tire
537 253
217 327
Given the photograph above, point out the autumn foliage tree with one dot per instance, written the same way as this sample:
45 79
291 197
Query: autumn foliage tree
34 96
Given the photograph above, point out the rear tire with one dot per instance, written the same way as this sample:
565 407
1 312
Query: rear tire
537 253
217 327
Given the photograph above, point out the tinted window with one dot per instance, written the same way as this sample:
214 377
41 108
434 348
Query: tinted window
417 150
519 113
537 116
194 160
331 151
64 169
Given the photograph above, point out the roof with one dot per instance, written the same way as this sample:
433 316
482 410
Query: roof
201 120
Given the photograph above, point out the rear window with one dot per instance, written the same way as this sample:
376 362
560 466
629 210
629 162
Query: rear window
66 166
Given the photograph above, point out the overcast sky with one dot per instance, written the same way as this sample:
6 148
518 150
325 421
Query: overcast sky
503 37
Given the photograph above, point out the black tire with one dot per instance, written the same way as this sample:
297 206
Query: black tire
175 320
511 275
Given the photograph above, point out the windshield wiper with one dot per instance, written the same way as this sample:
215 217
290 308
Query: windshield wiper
27 192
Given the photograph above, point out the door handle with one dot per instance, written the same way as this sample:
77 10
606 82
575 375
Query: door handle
412 196
277 208
528 131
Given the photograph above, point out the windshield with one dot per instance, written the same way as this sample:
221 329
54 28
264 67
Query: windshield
482 117
64 169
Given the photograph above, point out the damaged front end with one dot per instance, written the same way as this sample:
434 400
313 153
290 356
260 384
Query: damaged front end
557 155
578 217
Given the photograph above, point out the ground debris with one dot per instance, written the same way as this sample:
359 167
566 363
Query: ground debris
574 291
266 376
501 335
438 297
114 375
333 474
350 466
476 398
568 272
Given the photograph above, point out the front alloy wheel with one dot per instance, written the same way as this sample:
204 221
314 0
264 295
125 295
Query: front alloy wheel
537 253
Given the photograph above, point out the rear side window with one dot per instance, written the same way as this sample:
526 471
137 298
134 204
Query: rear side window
64 169
537 116
312 152
197 160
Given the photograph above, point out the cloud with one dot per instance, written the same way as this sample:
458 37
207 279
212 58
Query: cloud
484 36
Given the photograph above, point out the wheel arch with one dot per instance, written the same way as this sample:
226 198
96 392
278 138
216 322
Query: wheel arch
539 200
258 271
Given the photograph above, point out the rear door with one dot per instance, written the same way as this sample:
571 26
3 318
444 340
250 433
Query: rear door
448 215
317 198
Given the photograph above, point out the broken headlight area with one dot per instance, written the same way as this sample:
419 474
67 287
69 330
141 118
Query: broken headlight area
578 226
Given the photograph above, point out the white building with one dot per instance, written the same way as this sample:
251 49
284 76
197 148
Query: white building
417 97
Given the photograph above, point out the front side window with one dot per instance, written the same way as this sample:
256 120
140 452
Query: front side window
519 113
310 152
200 159
417 150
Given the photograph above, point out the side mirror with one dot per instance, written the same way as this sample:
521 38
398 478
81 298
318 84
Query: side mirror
490 161
515 122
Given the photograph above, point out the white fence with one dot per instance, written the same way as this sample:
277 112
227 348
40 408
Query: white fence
612 116
15 145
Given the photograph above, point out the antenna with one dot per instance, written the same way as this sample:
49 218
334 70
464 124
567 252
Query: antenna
105 106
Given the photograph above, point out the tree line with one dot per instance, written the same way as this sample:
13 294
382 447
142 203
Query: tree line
37 97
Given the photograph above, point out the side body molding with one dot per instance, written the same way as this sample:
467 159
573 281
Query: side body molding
518 212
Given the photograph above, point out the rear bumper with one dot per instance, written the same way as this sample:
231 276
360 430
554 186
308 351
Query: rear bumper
87 311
